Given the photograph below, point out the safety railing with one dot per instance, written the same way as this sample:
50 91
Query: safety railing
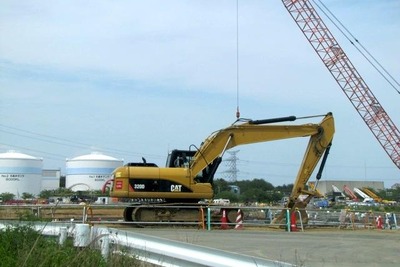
158 251
247 217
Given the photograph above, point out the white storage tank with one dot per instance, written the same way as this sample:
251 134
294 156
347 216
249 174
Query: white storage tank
89 172
20 173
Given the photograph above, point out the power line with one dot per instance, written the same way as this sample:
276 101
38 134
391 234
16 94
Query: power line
52 155
63 141
371 58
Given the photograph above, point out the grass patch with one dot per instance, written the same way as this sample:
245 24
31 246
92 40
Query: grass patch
23 246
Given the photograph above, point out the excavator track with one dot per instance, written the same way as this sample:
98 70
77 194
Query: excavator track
148 214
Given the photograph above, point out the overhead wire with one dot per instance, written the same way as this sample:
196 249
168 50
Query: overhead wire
63 141
41 139
247 171
52 155
371 58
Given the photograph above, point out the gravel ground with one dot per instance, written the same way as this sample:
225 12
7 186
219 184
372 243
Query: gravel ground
327 247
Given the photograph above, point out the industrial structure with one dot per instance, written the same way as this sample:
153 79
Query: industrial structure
20 173
231 163
89 172
51 179
325 186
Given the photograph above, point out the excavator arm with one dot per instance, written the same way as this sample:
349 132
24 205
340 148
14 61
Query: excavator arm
317 147
251 132
321 136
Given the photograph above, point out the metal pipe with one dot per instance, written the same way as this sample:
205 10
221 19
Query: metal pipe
266 121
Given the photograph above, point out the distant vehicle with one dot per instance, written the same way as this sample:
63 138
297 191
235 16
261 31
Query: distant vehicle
321 203
366 198
222 201
337 190
350 193
340 199
284 201
83 198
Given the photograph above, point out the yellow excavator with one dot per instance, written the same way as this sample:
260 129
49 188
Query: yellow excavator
188 175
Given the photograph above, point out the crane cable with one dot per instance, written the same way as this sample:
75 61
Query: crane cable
237 60
357 42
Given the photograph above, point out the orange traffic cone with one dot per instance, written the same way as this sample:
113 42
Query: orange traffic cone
239 220
293 226
224 221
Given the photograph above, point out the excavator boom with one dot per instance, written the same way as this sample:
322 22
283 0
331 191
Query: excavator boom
261 131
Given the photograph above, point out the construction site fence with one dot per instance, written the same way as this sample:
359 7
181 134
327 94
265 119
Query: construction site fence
250 217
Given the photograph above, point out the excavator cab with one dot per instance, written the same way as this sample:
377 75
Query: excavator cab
179 158
182 159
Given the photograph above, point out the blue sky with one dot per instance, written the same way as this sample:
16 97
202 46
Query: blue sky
139 78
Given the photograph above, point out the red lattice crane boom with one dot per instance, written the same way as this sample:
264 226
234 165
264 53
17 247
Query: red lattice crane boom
346 75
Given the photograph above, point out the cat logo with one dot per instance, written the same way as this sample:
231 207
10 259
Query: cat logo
176 188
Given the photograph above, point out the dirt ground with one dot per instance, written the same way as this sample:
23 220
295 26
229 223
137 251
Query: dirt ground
60 212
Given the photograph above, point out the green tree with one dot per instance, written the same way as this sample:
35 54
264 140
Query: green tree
98 193
62 192
390 194
285 189
59 192
7 196
276 196
261 184
46 194
249 195
26 195
228 195
256 190
220 185
255 183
